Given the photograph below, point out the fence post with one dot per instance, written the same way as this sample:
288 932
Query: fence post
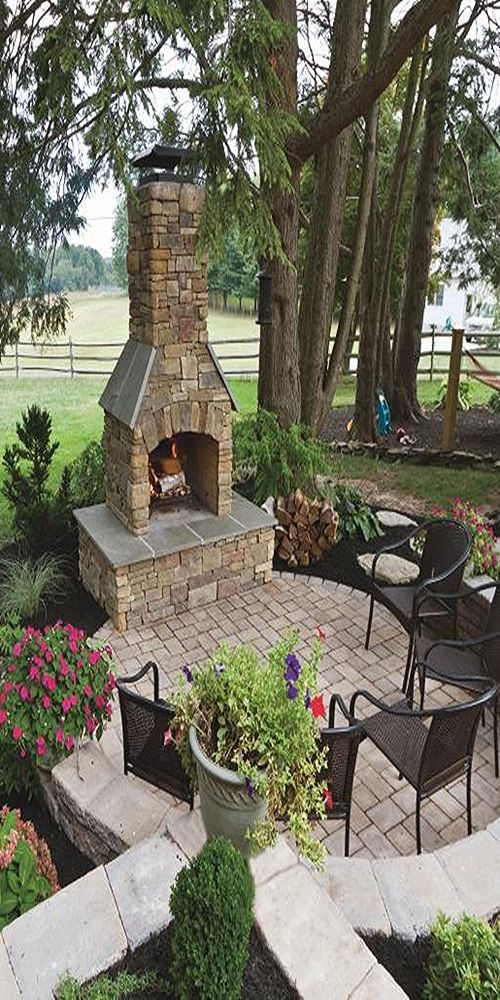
433 333
16 355
450 411
71 367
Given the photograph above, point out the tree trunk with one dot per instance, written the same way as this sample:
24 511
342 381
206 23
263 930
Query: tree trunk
320 270
405 404
279 379
364 416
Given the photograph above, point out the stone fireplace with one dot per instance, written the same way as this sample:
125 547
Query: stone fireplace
172 534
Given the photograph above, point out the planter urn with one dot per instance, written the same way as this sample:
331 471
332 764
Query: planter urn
226 807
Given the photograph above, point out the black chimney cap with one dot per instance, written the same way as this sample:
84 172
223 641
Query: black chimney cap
161 157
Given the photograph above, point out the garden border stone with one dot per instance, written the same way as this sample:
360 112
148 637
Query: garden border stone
417 456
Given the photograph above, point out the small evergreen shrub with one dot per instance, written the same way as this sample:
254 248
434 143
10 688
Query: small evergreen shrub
276 460
107 987
86 476
27 872
211 903
464 960
25 584
26 466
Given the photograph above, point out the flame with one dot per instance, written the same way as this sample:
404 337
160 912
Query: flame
174 450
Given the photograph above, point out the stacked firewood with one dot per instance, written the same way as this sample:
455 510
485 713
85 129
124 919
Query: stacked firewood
306 528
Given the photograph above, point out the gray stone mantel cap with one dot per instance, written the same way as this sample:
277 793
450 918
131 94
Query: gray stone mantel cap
121 548
124 392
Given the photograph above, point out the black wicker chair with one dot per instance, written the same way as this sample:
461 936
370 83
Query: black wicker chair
144 723
462 659
446 549
429 757
342 743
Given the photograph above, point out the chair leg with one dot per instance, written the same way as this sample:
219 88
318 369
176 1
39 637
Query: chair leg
409 661
495 734
421 682
417 824
370 619
347 833
469 800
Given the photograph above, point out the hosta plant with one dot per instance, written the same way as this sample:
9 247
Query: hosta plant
27 872
260 718
55 687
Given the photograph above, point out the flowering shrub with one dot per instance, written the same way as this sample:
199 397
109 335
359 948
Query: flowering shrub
483 556
27 872
55 687
261 720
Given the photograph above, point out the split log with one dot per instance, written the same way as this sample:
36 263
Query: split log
306 528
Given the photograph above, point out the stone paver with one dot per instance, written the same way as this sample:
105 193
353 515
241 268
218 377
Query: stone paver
8 985
77 931
473 866
351 884
410 888
378 985
383 807
139 879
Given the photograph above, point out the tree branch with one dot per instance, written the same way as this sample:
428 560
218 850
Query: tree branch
359 96
482 60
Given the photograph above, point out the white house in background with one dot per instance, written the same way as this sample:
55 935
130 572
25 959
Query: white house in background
470 308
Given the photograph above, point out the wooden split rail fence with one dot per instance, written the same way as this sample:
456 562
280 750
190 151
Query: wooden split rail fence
239 357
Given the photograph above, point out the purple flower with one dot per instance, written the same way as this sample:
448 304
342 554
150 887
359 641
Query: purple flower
187 674
291 692
218 669
292 671
307 698
250 788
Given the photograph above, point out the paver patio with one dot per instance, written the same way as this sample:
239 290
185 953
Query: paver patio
382 818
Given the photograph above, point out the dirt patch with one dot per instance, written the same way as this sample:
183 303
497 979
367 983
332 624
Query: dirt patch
477 430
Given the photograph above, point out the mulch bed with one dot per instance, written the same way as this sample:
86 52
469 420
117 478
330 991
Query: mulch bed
477 430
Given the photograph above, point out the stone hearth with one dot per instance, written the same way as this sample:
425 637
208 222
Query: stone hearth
171 535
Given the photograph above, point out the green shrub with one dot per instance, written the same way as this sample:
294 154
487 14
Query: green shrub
26 470
27 872
464 960
464 398
356 517
277 460
25 584
86 476
109 987
494 402
211 903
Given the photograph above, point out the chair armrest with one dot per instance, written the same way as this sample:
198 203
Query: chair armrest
463 643
398 545
335 700
133 678
462 681
381 705
463 595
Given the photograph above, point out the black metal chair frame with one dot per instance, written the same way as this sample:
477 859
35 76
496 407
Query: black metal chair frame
463 765
425 669
334 738
167 773
424 590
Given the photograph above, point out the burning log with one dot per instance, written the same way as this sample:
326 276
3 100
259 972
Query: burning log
305 530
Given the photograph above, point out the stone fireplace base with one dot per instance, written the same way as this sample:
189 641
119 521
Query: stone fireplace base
189 558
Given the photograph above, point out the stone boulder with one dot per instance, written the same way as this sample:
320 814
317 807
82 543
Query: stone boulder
390 569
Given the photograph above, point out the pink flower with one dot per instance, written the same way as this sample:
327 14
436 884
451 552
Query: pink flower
17 649
37 661
46 702
90 724
73 699
108 708
73 646
41 746
320 632
69 743
168 737
86 709
49 682
88 690
59 736
24 693
63 666
99 701
112 681
34 673
17 733
3 716
66 705
7 687
94 657
48 656
11 668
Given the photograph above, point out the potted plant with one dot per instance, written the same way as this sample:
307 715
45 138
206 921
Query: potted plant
247 732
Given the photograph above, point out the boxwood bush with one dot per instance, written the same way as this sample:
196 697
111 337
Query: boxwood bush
211 903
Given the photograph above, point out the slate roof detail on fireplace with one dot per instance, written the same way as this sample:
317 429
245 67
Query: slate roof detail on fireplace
124 392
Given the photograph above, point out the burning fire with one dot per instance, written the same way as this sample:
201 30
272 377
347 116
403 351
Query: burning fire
167 481
174 449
